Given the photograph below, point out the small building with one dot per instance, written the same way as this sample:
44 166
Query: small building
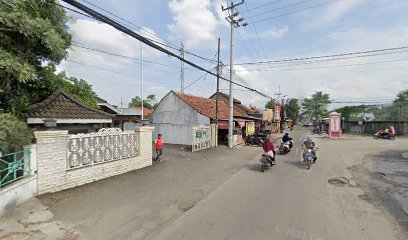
63 112
251 120
177 114
146 111
124 118
128 119
106 107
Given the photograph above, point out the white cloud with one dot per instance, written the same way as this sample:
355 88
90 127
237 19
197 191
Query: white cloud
275 32
103 36
193 22
357 81
333 13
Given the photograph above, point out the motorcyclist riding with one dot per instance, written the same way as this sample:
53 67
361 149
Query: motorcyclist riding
309 144
286 139
269 149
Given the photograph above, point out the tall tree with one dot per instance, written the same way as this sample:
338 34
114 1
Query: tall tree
292 109
401 106
149 102
33 36
271 104
316 105
80 90
402 97
151 99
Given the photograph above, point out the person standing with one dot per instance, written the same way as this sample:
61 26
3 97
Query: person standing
158 145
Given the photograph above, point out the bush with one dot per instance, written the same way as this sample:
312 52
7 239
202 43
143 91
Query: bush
14 133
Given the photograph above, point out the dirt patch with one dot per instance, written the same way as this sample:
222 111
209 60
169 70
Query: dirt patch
384 179
16 236
339 181
150 198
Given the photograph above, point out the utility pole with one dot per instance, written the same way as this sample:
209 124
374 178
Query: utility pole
218 84
141 78
182 67
282 98
234 23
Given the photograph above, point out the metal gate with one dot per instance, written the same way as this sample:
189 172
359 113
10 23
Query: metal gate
201 138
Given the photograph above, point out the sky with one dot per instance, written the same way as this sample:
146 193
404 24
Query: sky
276 30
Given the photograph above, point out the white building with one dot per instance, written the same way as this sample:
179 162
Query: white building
176 115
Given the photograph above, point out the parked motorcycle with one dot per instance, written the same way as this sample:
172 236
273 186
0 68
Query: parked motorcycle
309 157
254 141
267 162
380 135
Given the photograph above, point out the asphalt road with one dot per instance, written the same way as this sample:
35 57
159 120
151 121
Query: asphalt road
290 202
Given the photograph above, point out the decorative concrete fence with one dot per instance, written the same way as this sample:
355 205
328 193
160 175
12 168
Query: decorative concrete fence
65 161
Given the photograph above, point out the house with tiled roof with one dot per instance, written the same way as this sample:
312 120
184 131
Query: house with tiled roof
62 111
146 111
177 113
244 110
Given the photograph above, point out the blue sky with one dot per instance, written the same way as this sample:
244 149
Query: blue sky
273 33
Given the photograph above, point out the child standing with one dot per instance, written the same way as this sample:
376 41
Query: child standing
158 145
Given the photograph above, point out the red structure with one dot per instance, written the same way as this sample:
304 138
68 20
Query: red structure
335 125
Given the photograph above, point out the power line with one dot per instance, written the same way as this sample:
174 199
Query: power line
198 79
324 67
257 35
321 61
280 8
100 68
299 10
324 56
161 40
263 5
145 40
171 45
123 56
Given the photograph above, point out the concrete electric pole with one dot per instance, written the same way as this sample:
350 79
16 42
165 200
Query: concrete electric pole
234 23
141 79
218 84
182 67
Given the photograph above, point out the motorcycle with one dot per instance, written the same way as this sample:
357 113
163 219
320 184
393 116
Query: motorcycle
309 157
254 141
317 131
284 148
380 135
267 162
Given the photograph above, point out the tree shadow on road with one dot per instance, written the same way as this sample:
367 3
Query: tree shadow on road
296 163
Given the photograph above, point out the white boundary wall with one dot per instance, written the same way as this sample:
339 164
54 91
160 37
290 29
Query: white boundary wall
53 174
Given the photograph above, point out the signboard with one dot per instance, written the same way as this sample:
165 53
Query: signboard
268 115
250 128
335 123
199 134
277 117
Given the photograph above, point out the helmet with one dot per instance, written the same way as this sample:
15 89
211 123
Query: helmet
308 139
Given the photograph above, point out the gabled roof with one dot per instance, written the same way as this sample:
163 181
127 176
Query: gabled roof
207 106
61 105
227 96
244 109
146 111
